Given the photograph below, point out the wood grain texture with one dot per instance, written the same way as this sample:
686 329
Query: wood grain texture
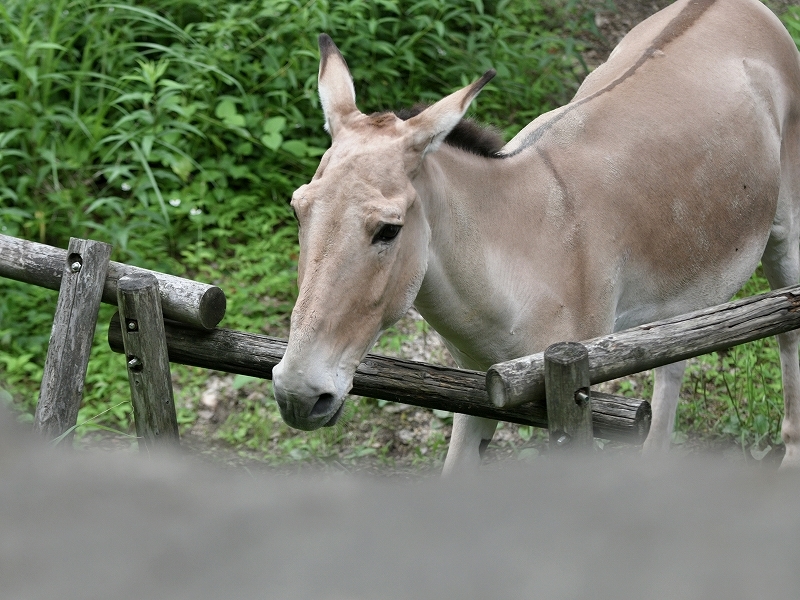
146 356
419 384
569 415
520 381
83 268
197 304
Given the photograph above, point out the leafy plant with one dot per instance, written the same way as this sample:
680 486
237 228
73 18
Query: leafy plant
791 18
176 130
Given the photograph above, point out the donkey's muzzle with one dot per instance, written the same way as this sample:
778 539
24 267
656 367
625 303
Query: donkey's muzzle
304 405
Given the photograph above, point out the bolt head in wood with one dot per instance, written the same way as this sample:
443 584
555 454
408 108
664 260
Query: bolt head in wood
132 325
75 267
581 397
135 364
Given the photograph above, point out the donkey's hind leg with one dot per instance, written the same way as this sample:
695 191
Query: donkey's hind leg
781 263
666 387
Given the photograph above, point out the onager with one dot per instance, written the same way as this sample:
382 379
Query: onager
654 192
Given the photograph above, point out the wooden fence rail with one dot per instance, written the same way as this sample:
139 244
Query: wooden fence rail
419 384
197 304
521 381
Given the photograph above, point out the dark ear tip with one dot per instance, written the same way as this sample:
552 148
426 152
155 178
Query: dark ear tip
485 78
325 41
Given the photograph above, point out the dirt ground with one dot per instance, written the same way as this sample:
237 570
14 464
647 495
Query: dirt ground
404 433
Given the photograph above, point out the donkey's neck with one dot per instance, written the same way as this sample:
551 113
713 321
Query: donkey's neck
479 276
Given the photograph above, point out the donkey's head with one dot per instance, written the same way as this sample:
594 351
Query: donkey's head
363 240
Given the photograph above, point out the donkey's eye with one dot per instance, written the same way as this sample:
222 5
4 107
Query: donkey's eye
386 233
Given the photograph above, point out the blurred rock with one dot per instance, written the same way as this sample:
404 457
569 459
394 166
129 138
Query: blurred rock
122 526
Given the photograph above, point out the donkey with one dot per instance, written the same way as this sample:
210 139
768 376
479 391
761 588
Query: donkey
654 192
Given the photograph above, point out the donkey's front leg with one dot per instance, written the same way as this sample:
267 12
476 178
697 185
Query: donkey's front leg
470 437
666 388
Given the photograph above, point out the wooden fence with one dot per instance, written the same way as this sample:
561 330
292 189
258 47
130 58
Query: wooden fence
166 319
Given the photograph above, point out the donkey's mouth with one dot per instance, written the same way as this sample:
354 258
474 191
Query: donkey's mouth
336 415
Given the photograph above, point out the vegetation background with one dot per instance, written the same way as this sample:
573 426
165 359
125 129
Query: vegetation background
176 130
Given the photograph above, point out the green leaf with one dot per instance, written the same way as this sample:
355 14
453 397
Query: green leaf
235 121
242 380
182 167
5 397
272 141
314 151
679 437
274 125
147 145
33 74
225 110
43 46
760 454
296 147
243 149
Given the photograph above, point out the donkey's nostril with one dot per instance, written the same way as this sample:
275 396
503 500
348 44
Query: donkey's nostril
324 405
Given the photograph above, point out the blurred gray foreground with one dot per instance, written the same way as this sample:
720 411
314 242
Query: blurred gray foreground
111 526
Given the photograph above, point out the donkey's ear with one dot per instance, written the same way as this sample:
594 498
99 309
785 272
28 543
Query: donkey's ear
430 127
336 91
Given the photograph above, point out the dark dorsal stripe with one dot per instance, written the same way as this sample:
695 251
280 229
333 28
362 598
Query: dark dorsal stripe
467 135
674 29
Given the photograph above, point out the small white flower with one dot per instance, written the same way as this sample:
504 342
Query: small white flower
175 202
126 187
195 211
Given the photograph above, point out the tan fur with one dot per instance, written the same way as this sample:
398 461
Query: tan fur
656 191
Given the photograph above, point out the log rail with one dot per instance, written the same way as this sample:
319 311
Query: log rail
521 381
197 304
410 382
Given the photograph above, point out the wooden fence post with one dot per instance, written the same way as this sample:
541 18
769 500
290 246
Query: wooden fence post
148 364
71 337
569 410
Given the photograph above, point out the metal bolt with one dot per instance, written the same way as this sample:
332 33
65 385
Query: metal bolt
562 439
76 266
134 363
132 325
581 397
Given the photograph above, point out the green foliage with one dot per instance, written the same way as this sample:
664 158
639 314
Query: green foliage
258 427
736 393
176 130
791 18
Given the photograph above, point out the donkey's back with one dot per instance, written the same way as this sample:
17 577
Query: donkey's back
680 157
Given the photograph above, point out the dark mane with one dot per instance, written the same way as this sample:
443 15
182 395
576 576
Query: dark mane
467 135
